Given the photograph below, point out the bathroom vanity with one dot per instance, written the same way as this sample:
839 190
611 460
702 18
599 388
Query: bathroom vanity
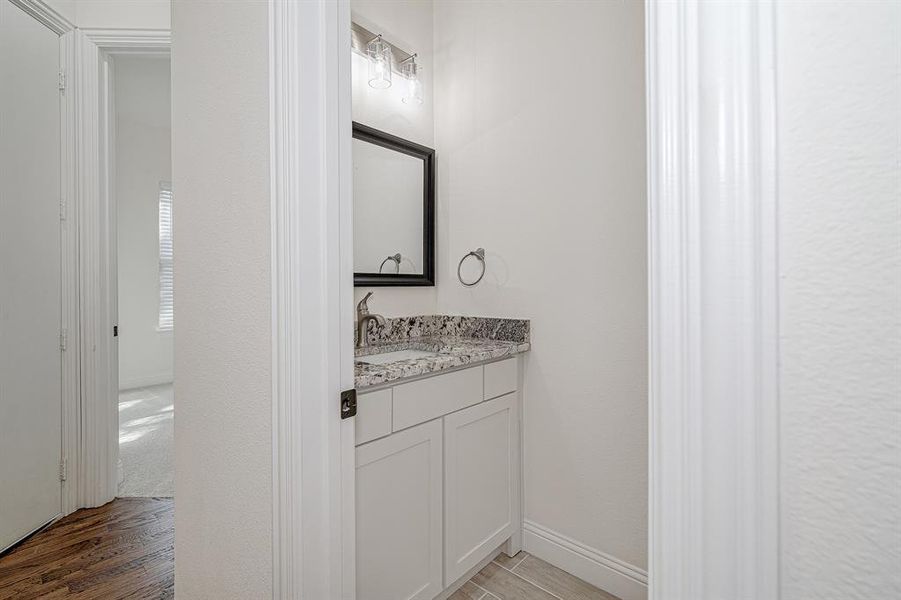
438 457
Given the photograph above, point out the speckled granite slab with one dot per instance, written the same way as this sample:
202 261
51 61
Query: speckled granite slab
457 342
406 328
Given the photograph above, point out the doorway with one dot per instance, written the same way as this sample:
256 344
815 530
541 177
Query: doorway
141 173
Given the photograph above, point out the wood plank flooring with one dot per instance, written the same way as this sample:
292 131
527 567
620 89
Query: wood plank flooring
124 549
525 577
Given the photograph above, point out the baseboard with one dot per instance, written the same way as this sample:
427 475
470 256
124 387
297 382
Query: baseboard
145 381
600 570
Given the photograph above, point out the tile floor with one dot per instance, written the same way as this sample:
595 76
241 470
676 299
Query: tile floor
525 577
145 442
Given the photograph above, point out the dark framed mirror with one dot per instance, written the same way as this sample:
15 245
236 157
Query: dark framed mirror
394 210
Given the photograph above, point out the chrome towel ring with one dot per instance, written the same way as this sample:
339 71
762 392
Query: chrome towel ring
479 253
396 258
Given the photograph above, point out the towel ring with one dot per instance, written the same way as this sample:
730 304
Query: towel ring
479 253
396 258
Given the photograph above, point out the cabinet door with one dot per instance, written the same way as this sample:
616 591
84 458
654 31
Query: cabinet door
480 458
399 503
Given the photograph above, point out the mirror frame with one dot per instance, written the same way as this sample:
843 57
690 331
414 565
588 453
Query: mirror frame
391 142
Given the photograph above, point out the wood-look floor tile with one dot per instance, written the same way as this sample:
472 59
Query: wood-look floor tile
558 582
507 586
469 591
509 562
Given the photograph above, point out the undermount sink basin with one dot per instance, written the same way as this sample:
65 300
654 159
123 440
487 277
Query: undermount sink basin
390 357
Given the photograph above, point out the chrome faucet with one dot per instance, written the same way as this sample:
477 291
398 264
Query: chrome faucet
363 318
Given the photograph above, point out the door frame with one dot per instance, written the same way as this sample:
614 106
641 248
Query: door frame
312 299
713 306
93 429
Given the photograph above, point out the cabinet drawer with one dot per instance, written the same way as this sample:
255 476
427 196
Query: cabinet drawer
501 377
426 399
373 416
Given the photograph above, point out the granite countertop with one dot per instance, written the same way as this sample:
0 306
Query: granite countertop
458 342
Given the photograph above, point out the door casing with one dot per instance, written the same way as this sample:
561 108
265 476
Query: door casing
312 299
94 426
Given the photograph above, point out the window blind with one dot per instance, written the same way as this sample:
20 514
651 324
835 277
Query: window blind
167 303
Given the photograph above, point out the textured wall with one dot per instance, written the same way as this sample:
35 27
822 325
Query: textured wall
223 359
840 142
115 14
540 126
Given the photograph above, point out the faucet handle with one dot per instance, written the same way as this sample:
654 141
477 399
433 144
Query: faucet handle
362 306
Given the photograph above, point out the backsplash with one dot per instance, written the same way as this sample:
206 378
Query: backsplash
488 328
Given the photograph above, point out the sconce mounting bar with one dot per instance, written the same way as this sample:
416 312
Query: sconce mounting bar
360 37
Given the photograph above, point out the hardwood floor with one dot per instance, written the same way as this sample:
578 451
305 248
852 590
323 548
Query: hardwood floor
525 577
124 549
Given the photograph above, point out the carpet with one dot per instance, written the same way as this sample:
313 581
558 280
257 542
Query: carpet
145 442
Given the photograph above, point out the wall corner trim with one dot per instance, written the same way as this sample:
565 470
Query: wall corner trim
601 570
311 292
713 320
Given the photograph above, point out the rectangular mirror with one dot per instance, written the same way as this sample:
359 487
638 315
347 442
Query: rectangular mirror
394 210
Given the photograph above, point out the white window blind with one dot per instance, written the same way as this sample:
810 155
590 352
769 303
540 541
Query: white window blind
167 304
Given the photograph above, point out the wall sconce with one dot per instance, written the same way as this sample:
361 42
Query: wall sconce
380 62
413 93
383 57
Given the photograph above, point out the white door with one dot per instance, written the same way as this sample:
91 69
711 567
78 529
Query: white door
399 502
30 356
479 462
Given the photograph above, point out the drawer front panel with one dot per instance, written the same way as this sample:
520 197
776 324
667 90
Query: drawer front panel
373 418
501 377
426 399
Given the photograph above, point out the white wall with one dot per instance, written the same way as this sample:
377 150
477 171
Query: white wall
66 8
114 14
143 159
840 194
223 383
540 128
407 24
123 14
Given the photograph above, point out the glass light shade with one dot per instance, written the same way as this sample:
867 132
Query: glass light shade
413 93
380 60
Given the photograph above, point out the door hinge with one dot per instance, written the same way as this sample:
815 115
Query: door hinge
63 335
348 403
115 331
62 209
63 467
62 81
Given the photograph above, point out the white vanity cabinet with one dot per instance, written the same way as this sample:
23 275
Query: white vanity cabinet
439 490
399 507
480 458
